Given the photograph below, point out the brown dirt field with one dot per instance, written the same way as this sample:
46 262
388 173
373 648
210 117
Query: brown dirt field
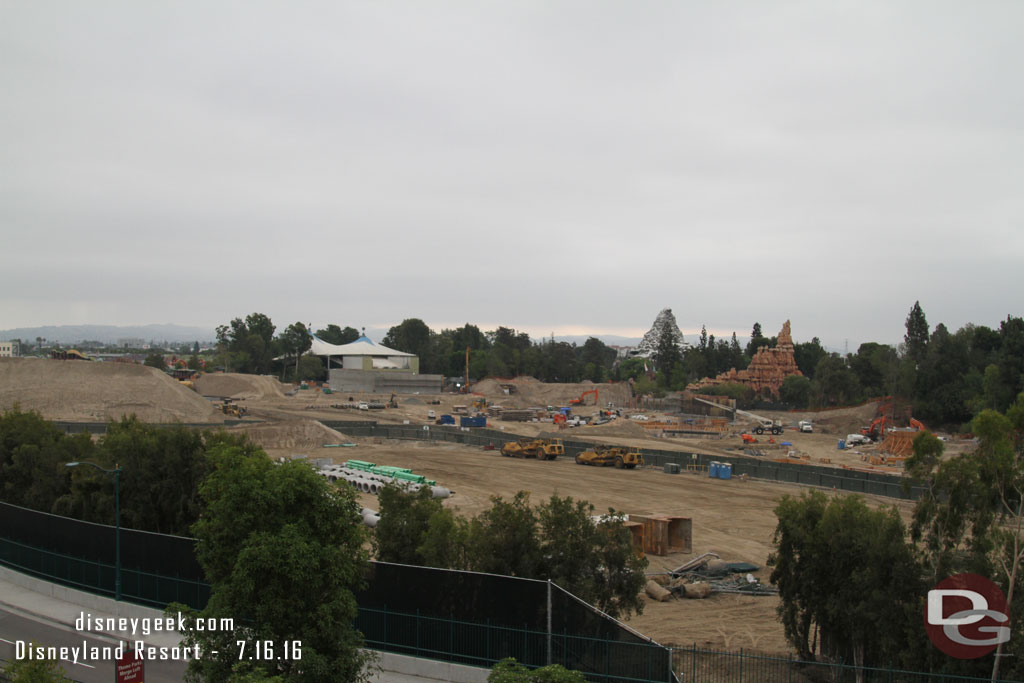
732 518
90 391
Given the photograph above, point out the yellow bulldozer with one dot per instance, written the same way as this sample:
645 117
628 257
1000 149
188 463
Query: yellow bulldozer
542 449
232 409
617 456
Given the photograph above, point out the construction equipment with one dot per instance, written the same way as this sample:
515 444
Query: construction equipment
480 404
392 403
229 407
805 426
582 399
764 424
620 457
542 449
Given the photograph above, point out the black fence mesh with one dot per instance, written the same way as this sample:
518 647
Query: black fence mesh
456 616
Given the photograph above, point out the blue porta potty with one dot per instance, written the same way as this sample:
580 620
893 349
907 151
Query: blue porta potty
842 444
713 469
725 470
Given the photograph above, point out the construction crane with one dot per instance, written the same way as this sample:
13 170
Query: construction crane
764 424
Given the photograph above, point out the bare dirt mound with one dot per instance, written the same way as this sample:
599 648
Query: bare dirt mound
530 391
97 392
839 421
291 434
238 385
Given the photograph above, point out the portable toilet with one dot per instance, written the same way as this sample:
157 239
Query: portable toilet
842 444
713 469
725 470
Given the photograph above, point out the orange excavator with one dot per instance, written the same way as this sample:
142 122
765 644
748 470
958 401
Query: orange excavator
883 423
580 401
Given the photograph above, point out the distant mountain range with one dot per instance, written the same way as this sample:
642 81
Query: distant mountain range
109 334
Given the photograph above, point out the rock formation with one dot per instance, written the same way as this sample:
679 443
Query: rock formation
767 370
664 324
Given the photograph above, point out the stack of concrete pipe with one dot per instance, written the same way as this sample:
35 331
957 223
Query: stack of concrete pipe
369 482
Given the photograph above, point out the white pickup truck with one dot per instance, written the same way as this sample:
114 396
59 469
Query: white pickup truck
805 426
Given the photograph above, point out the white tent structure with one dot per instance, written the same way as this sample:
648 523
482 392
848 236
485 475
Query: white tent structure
366 367
363 354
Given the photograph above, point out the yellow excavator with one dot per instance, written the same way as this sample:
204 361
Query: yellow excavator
618 456
542 449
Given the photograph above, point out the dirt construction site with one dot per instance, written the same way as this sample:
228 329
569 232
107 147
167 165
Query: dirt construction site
732 518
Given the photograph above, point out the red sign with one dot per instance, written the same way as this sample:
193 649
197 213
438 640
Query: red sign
128 669
966 616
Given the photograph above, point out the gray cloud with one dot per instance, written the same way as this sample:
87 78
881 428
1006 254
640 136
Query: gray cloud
543 165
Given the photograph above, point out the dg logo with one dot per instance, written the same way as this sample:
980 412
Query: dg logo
966 616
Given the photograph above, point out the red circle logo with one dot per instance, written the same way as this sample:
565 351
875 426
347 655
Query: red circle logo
966 616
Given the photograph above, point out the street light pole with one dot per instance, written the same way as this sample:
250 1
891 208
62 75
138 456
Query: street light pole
117 519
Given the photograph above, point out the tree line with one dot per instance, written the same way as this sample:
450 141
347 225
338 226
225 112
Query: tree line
853 580
557 539
284 547
949 377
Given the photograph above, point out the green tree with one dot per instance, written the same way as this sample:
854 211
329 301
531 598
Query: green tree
876 367
971 514
757 340
283 547
35 671
834 382
411 336
796 391
155 360
295 341
596 562
32 456
445 543
668 352
503 539
596 354
808 355
163 466
510 671
631 368
916 338
837 565
332 334
404 520
247 345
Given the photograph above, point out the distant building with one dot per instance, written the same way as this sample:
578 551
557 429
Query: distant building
132 343
372 368
10 349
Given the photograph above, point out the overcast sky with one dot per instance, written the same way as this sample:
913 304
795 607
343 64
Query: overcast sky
566 167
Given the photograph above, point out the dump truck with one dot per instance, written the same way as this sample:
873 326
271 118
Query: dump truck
542 449
617 456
